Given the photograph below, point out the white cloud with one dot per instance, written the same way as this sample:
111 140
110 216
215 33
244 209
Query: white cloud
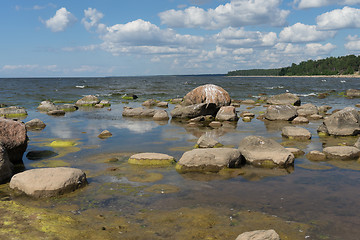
339 18
353 43
316 49
238 37
237 13
60 21
302 4
29 67
310 49
92 20
304 33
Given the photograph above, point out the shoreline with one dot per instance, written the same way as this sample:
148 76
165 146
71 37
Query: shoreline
307 76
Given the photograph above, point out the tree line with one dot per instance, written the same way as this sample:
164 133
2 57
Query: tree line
329 66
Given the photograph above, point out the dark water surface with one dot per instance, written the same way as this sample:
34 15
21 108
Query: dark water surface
314 200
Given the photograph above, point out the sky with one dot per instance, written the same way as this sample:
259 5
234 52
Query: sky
96 38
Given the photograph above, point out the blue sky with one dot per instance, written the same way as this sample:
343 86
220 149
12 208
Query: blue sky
142 37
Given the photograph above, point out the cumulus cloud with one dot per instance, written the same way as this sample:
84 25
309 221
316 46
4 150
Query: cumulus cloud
238 37
303 4
304 33
237 13
310 49
353 43
339 18
60 21
92 19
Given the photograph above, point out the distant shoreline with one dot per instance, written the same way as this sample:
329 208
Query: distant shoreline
309 76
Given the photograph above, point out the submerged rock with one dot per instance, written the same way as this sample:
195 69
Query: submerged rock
264 152
209 160
342 152
35 124
89 100
138 112
284 99
295 132
194 111
227 113
208 93
12 111
316 156
353 93
162 104
280 112
56 113
48 182
46 106
40 154
152 159
259 235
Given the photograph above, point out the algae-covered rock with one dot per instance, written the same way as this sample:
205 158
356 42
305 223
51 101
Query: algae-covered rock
48 182
151 159
89 100
62 143
12 112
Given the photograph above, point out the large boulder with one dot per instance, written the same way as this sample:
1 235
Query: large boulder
259 235
5 165
89 100
307 109
12 112
353 93
208 93
284 99
13 136
264 152
281 112
345 122
295 132
139 112
48 182
194 111
209 160
227 113
342 152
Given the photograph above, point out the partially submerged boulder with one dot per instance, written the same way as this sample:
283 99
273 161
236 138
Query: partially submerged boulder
295 133
6 167
193 111
315 155
12 112
88 101
259 235
345 122
280 112
208 93
151 159
284 99
207 142
138 112
105 134
150 102
265 152
35 124
342 153
307 109
161 115
13 136
353 93
227 113
300 120
209 160
46 106
48 182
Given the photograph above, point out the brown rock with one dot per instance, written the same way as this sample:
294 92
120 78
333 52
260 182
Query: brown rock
105 134
208 93
316 156
35 124
226 113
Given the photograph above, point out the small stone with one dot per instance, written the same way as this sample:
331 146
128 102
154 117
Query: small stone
315 117
215 124
56 113
259 235
300 120
105 134
35 124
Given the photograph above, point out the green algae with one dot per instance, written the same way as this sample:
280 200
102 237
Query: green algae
50 164
62 143
145 177
152 162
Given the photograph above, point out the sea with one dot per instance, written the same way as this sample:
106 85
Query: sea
312 200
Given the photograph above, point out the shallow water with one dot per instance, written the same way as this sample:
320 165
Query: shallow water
313 200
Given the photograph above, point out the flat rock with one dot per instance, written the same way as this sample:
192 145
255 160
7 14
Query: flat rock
209 160
248 101
259 235
48 182
46 106
227 113
138 112
35 124
300 120
295 132
158 159
280 112
342 152
324 108
207 142
150 102
315 117
162 104
215 124
315 155
307 109
284 99
208 93
56 112
265 152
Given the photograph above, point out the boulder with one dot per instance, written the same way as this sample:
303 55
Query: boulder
284 99
300 120
138 112
307 110
345 122
46 106
295 132
12 112
324 108
209 160
56 113
14 138
105 134
264 152
357 143
6 166
226 113
88 101
67 107
152 159
316 156
162 104
342 153
259 235
161 115
193 111
35 124
297 152
208 93
207 142
48 182
280 112
207 118
149 103
353 93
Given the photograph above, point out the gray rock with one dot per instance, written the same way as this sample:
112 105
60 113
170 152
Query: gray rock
284 99
280 112
193 111
161 115
207 142
56 113
295 132
264 152
6 167
13 136
12 111
259 235
48 182
300 120
342 153
208 93
209 160
138 112
35 124
297 152
353 93
67 107
307 110
162 104
149 103
345 122
357 143
324 108
152 159
316 156
226 113
46 106
87 101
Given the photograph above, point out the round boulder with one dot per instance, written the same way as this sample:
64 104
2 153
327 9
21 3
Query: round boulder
46 106
208 93
161 115
89 100
151 159
48 182
342 153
